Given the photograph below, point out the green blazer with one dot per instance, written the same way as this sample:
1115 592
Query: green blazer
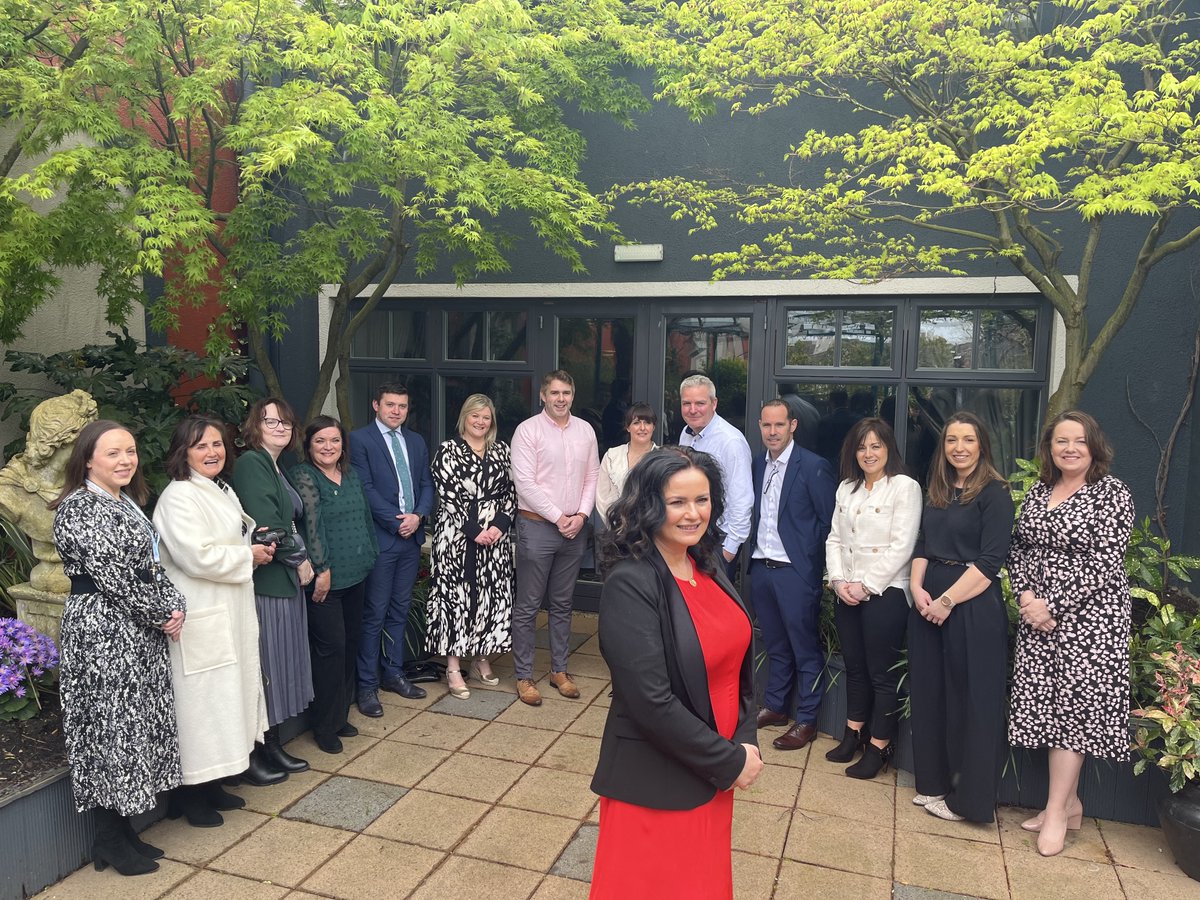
267 501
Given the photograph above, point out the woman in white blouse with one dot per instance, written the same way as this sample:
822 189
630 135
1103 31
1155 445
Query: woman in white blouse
870 545
640 421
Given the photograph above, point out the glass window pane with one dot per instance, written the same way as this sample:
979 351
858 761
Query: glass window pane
506 335
362 392
370 341
867 337
811 337
946 339
464 335
1006 339
719 347
1012 416
408 334
512 396
825 413
599 355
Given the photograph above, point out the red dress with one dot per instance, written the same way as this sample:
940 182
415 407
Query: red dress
668 853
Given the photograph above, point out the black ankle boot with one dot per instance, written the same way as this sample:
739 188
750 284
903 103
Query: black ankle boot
261 771
188 800
873 759
218 798
278 757
112 848
852 742
147 850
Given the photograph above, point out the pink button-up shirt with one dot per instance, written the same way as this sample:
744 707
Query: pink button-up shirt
554 469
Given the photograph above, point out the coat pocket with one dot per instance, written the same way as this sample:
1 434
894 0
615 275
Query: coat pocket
207 641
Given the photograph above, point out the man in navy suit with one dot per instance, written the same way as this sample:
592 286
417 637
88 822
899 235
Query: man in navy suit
393 464
793 506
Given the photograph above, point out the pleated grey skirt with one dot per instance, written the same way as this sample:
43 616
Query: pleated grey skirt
283 648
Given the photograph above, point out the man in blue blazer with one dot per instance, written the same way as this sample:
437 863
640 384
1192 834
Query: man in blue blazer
794 493
393 465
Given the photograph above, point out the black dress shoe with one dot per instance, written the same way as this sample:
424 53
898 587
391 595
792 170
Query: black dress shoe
330 744
398 684
347 730
188 801
795 738
368 703
280 758
770 717
262 772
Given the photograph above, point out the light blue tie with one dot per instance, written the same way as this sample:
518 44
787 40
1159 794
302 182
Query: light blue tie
406 488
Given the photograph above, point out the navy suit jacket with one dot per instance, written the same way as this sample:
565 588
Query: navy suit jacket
372 460
806 503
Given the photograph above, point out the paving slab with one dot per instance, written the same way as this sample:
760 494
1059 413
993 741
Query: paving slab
516 743
439 728
577 860
483 704
347 803
956 865
282 852
370 868
205 885
552 791
467 877
519 837
196 846
473 777
428 820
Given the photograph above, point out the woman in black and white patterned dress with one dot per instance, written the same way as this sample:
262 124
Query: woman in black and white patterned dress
472 573
118 708
1067 565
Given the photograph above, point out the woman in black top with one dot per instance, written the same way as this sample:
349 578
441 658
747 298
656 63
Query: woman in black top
958 628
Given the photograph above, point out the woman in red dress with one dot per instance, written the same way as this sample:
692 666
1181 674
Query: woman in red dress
681 729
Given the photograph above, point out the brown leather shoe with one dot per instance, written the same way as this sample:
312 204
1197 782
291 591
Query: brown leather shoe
795 738
528 692
770 717
565 685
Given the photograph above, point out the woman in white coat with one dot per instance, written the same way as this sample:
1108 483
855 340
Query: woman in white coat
870 545
640 422
207 553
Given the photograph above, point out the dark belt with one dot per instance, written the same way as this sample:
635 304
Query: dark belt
84 584
773 563
950 562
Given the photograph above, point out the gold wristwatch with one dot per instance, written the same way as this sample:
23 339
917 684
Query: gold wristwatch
946 601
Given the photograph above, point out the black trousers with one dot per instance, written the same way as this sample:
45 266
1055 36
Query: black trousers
957 673
333 631
872 637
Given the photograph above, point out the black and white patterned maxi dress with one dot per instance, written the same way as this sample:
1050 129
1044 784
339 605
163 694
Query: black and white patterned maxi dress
1071 684
471 586
118 707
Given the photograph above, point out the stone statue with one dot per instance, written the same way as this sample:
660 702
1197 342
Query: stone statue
35 477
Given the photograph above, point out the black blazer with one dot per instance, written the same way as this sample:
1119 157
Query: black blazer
660 747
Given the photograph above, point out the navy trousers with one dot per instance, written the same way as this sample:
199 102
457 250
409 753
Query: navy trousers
385 612
788 612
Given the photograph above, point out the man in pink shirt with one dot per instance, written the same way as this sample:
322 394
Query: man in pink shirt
554 468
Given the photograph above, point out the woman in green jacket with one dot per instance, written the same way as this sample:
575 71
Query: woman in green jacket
267 497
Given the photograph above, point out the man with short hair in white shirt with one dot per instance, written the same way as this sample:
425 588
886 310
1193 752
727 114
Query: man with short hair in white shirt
794 492
707 431
554 469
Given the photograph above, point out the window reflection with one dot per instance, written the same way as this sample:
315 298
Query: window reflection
510 396
825 413
420 413
977 339
840 337
599 355
1012 416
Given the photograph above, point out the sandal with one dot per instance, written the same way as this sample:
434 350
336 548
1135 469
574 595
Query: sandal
459 693
477 665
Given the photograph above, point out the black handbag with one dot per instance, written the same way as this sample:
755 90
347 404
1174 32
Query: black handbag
289 546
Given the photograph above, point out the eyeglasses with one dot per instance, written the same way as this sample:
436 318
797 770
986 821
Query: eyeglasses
276 423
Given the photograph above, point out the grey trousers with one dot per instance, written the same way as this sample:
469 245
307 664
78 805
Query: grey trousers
547 567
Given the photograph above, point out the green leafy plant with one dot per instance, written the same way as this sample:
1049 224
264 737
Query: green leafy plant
1168 727
136 385
16 562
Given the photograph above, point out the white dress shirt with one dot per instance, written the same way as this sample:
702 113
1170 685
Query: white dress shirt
768 544
728 447
873 533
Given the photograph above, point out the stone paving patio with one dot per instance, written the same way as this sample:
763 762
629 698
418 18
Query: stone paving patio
488 798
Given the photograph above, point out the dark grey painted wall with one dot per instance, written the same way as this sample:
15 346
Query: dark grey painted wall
1150 355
